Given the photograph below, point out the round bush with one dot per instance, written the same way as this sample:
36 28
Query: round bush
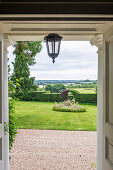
68 106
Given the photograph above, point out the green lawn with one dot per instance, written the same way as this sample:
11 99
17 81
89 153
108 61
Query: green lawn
86 90
39 115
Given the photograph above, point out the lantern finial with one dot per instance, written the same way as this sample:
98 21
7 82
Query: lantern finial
53 60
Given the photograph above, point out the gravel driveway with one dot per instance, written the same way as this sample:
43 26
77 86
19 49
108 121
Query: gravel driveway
53 150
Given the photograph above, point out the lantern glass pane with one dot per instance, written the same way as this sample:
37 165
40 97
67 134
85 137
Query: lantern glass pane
50 47
56 47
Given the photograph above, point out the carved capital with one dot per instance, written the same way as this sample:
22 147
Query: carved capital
7 43
98 42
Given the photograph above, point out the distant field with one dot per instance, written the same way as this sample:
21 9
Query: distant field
86 90
40 115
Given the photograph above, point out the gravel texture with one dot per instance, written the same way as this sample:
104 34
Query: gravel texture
53 150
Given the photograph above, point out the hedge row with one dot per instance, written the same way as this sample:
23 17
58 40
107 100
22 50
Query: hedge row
84 98
44 97
69 110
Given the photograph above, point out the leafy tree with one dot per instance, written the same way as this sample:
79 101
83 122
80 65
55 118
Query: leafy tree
56 88
48 87
25 52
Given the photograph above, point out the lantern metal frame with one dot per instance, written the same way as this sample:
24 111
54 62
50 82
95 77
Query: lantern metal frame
53 42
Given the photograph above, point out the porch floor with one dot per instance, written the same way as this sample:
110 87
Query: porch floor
53 150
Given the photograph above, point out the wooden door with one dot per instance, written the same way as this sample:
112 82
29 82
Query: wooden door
107 162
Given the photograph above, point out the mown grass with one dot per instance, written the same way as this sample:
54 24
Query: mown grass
40 115
86 90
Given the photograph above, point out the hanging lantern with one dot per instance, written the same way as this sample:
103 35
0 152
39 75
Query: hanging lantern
53 45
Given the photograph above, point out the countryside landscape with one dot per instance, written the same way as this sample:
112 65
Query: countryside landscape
49 117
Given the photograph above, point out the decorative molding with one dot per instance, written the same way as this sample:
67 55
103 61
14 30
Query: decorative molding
1 36
109 150
98 42
7 42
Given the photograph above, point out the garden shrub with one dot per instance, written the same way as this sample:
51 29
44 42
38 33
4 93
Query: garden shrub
12 120
68 106
64 94
84 98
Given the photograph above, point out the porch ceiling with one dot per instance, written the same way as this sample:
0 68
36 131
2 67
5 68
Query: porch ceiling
70 30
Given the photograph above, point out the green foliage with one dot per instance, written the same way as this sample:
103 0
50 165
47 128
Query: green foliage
11 125
41 96
56 88
84 98
12 122
96 89
11 89
25 56
68 106
69 109
48 87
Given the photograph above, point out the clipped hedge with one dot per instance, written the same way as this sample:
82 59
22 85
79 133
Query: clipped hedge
84 98
44 97
69 110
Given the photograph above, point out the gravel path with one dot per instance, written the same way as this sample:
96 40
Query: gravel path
53 150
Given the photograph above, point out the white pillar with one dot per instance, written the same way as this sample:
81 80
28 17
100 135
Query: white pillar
6 44
1 109
98 41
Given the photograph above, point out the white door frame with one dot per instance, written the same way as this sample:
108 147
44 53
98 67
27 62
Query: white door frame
97 41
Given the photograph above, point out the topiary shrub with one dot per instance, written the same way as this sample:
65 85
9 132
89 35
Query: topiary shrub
68 106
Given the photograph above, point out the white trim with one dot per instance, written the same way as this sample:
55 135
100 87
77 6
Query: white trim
98 41
1 165
40 37
6 44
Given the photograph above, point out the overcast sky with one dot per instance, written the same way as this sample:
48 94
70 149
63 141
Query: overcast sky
77 61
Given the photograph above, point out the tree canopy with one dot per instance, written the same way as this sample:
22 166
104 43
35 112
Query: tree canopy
56 88
25 52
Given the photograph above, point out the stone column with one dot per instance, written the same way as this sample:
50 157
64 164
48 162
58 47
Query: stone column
6 44
98 42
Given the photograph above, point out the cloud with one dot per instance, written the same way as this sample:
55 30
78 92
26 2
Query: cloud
77 60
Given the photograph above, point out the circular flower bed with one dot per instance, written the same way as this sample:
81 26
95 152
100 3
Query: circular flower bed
68 106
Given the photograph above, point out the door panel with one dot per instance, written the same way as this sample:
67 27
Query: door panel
110 69
108 106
